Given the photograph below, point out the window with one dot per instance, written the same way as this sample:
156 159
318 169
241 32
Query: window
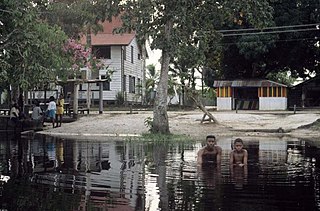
124 53
132 84
105 84
131 54
102 52
139 56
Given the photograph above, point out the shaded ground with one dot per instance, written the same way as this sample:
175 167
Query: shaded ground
243 123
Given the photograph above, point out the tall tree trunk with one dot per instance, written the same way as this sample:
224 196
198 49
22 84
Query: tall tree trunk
143 84
160 117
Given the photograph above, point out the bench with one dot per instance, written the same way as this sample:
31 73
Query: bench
80 111
4 111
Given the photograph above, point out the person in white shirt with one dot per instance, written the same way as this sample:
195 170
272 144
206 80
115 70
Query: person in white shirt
52 107
37 112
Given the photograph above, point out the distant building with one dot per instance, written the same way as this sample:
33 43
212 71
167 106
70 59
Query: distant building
120 53
251 94
305 94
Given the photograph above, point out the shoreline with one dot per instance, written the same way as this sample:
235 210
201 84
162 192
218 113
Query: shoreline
241 124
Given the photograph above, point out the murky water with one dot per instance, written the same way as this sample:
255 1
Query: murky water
46 173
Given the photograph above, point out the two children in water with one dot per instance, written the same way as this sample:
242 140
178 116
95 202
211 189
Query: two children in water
212 153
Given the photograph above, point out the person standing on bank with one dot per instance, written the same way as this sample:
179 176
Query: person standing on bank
14 113
60 110
37 113
238 156
52 107
210 154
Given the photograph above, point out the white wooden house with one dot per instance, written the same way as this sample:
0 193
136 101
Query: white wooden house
121 54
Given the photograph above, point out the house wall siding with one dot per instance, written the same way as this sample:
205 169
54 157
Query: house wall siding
130 69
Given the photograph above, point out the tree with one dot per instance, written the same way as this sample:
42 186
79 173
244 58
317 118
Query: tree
152 78
34 49
169 23
31 49
287 43
281 77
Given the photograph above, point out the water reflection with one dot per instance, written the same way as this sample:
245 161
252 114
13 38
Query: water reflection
46 173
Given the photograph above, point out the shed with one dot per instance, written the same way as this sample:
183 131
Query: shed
254 94
305 94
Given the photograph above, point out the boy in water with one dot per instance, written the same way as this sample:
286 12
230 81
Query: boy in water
210 153
238 156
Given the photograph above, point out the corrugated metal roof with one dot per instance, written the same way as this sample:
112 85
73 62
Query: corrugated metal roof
247 83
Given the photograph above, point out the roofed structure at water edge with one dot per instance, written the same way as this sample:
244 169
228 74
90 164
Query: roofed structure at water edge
251 94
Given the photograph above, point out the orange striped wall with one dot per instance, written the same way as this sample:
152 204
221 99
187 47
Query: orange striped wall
272 92
224 92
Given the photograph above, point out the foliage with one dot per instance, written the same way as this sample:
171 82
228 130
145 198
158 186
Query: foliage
31 50
209 93
282 77
257 53
35 48
148 122
80 57
119 98
152 78
76 17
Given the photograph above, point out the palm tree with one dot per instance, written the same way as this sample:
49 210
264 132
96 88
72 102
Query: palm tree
152 78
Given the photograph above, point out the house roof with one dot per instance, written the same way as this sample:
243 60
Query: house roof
106 37
315 80
247 83
111 39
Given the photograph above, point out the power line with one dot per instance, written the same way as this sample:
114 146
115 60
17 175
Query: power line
269 32
271 28
281 40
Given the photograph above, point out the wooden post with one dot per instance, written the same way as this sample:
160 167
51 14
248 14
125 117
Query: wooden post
88 95
75 99
100 98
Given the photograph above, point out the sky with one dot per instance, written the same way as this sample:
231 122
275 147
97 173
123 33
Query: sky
154 56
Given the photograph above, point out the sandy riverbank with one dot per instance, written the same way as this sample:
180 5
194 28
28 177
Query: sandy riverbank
242 123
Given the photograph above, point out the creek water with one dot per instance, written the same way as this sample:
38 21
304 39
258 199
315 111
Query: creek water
48 173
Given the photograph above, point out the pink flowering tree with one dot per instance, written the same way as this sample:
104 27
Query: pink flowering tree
80 57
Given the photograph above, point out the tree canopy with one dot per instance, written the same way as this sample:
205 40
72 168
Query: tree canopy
287 43
39 39
31 50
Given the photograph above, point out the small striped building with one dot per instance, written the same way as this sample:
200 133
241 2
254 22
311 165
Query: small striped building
250 95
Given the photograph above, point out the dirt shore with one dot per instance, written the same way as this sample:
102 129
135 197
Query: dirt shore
231 123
